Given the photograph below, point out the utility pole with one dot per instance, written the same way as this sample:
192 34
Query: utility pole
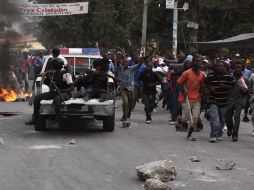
175 27
144 27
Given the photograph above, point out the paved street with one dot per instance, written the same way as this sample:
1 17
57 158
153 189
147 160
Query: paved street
106 161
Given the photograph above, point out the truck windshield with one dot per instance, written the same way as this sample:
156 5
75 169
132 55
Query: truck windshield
78 65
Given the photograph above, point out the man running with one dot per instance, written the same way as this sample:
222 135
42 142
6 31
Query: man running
190 84
126 76
218 84
150 80
236 103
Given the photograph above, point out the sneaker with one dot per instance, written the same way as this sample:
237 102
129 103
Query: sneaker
191 138
212 139
225 128
234 139
229 133
246 119
219 138
177 128
148 121
123 119
196 130
172 123
31 121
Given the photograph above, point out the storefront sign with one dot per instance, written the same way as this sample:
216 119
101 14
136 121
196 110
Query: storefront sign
59 9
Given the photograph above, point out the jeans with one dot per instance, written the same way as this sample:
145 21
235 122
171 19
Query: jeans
234 110
127 105
57 99
138 91
252 114
149 101
217 120
24 76
95 92
175 104
247 106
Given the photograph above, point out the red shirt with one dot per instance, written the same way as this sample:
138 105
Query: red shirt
24 65
194 83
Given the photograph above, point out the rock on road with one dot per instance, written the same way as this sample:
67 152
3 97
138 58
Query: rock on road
106 161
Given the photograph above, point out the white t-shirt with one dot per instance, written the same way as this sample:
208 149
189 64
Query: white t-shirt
67 78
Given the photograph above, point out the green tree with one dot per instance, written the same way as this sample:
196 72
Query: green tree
113 23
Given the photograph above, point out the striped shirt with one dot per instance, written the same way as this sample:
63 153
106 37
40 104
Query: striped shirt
220 86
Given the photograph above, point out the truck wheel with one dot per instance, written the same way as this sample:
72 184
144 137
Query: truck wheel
40 125
109 123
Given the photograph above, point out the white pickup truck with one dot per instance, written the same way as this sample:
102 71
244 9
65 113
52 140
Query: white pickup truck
78 107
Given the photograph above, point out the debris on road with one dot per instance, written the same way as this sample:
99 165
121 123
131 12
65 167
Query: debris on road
72 142
45 147
194 159
155 184
162 170
1 143
8 114
126 124
223 164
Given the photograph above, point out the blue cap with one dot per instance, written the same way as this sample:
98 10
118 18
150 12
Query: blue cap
189 58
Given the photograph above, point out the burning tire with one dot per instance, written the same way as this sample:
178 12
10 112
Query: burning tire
40 125
109 123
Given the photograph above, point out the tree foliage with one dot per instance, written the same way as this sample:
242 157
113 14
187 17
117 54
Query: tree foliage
113 22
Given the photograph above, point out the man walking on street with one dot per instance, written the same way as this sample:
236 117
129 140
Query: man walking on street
218 84
150 80
126 76
190 84
252 100
236 103
37 66
24 69
138 84
246 73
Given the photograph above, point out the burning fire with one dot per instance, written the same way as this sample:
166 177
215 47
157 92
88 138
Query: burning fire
11 96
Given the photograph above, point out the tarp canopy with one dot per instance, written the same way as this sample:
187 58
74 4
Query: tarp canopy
240 41
35 46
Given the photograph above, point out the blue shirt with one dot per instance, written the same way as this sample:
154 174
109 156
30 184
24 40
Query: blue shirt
126 75
246 73
39 62
111 67
132 62
138 72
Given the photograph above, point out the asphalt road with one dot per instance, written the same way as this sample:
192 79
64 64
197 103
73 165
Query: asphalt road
106 161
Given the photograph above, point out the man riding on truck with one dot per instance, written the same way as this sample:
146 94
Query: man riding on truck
61 85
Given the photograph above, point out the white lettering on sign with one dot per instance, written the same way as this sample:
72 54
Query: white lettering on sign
54 9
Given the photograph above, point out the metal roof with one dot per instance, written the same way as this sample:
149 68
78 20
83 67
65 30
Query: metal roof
239 41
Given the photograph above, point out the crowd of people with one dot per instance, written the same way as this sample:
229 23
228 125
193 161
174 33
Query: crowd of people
28 66
220 87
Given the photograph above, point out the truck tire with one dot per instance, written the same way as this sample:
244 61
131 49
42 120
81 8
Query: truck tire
40 125
109 123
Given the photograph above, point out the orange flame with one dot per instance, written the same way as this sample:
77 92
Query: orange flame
11 96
